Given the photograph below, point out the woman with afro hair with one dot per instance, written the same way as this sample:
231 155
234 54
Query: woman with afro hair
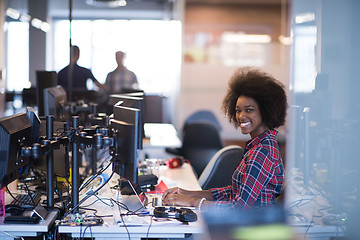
256 103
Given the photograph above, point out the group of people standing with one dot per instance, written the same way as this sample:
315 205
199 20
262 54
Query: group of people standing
116 81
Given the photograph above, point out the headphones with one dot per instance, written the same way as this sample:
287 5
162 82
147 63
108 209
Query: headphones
175 162
181 214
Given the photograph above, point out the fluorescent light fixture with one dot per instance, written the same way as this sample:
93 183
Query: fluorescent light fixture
25 17
240 37
12 13
305 17
285 40
36 23
107 3
45 27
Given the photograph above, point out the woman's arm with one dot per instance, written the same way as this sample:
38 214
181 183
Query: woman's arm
181 197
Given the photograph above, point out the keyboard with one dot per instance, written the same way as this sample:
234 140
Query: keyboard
27 201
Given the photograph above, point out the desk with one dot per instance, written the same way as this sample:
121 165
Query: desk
159 136
182 177
27 230
319 232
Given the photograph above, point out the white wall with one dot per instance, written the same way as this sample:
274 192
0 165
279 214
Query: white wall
203 86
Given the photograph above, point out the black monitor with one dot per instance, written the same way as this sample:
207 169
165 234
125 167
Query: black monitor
15 132
131 102
54 102
126 143
35 124
44 79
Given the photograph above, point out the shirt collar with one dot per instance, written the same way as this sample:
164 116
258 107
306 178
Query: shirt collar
253 142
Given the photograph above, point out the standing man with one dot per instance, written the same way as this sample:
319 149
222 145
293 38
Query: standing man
121 79
79 75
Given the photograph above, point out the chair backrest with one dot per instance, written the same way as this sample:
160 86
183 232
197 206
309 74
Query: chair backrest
222 165
203 116
201 140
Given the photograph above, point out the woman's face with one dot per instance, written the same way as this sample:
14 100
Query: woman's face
249 117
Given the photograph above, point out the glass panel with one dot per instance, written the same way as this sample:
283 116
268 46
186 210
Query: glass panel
323 167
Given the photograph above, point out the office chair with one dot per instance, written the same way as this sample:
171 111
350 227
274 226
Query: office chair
203 115
222 165
201 140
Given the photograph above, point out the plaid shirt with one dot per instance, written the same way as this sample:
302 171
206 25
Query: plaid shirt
117 81
258 179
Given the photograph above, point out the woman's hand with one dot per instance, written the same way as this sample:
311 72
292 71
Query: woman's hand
177 199
175 190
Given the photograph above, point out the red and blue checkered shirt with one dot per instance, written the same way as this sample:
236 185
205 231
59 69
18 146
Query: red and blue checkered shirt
258 179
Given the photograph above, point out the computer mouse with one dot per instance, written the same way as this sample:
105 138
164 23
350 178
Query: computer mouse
14 210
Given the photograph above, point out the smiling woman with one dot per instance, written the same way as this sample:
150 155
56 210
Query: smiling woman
255 102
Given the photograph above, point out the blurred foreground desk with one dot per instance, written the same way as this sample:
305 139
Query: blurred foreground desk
182 177
319 232
9 231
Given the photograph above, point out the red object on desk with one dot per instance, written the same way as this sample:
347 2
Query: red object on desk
160 188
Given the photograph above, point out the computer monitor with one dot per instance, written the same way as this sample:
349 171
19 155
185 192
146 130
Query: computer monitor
131 102
44 79
15 132
35 124
54 102
126 143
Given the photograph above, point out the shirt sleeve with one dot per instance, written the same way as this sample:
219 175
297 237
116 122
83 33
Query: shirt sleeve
222 194
258 172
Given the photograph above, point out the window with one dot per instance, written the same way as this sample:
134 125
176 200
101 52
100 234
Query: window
153 49
17 74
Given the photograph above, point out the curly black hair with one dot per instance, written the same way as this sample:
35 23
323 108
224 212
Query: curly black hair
268 93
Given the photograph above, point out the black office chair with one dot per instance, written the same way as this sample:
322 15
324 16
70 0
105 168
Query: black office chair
203 116
222 165
201 140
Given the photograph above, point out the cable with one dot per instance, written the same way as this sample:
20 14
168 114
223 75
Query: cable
148 230
89 180
88 196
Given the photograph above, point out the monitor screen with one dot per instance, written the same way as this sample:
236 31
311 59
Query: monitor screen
54 100
126 144
121 101
35 124
44 79
15 132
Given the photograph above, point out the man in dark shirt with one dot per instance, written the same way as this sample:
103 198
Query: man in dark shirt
79 76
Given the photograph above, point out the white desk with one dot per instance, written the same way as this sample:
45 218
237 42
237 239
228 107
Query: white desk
161 135
183 176
27 230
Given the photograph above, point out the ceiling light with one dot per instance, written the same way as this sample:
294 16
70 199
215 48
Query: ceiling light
305 17
12 13
240 37
107 3
25 17
285 40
